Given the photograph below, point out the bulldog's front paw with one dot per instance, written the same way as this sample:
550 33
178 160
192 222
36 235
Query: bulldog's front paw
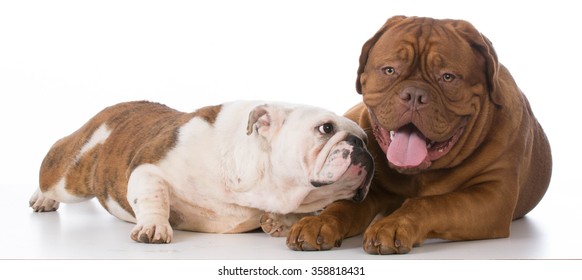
152 232
275 225
315 233
391 235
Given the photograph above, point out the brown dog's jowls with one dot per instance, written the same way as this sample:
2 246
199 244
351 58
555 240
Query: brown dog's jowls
458 151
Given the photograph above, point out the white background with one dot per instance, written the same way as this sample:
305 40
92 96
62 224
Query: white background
63 61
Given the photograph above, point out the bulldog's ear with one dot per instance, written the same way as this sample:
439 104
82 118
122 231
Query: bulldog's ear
484 47
265 120
258 118
368 46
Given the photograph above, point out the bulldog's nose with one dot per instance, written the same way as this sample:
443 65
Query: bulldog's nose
355 141
414 97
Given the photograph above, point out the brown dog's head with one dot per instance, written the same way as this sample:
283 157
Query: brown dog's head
426 83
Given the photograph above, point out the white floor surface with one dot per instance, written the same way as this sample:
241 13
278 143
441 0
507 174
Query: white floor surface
87 231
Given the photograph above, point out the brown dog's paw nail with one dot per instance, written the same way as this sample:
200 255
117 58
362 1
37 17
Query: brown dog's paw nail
308 247
397 243
300 239
293 244
370 248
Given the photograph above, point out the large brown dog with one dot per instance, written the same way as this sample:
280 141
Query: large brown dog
458 151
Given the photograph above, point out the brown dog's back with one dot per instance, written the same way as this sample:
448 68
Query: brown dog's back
537 179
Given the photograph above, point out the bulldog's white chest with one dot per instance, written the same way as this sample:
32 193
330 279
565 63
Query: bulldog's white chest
218 217
200 197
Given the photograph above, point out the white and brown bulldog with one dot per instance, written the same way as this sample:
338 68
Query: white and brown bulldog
226 169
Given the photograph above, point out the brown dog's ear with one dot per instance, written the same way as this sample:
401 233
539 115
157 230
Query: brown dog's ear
368 46
492 63
482 45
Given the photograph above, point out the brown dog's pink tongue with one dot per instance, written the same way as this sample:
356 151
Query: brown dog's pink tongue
408 148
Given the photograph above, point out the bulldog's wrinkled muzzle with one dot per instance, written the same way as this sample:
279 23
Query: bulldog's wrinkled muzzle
350 164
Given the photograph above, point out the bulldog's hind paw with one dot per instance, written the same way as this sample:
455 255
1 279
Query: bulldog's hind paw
156 233
271 224
277 225
40 203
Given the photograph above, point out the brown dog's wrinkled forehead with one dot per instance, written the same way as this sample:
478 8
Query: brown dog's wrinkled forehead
413 37
419 32
416 26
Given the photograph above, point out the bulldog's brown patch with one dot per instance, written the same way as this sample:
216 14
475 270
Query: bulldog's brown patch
140 132
209 113
60 160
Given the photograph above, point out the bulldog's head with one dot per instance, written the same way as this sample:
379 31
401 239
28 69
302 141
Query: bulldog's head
315 149
426 82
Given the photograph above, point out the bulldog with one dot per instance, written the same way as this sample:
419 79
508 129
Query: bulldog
458 151
228 168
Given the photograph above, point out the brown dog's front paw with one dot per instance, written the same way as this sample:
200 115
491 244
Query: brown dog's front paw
390 236
315 233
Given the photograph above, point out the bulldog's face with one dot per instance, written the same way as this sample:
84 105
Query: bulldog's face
314 148
424 82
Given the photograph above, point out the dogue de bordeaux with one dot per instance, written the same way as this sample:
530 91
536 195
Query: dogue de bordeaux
458 151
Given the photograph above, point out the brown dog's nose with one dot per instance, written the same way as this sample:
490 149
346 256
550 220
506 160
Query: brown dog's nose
414 97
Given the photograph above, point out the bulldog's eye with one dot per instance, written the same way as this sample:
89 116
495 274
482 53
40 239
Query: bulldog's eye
389 70
325 128
448 77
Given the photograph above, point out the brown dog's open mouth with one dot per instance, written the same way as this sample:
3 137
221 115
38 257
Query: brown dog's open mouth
407 148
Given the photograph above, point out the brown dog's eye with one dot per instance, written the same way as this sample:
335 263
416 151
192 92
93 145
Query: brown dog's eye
325 128
448 77
389 70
